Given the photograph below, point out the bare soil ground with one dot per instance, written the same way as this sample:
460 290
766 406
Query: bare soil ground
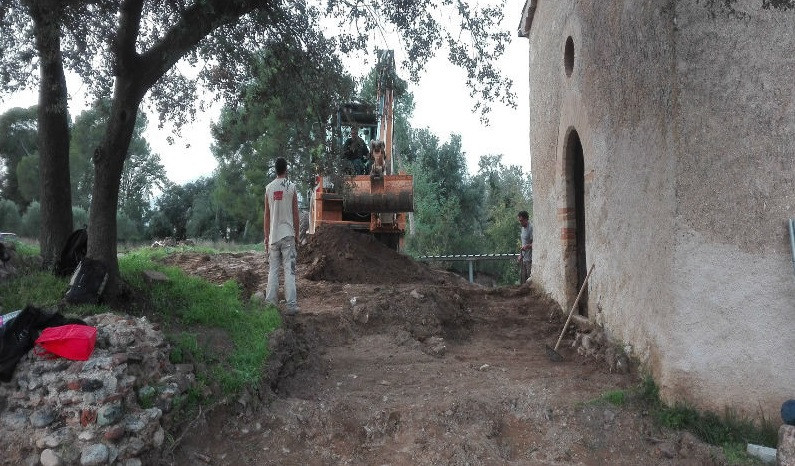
390 362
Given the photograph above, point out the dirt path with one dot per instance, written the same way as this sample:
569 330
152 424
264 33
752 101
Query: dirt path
435 371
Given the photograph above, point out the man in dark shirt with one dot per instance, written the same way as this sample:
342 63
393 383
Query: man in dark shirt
355 151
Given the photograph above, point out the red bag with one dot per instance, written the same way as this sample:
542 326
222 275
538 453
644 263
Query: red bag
73 341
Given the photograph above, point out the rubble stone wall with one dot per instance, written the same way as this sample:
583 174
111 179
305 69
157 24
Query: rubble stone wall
107 410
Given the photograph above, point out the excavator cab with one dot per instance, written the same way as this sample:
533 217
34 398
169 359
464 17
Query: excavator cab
357 125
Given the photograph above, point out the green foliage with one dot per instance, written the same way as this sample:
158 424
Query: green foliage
79 217
470 35
28 177
141 175
147 396
615 397
29 250
175 208
737 453
85 136
136 62
127 229
730 430
190 301
183 302
402 110
648 391
237 197
183 346
285 111
10 220
205 216
31 221
506 190
446 204
435 218
458 214
187 404
41 289
18 138
159 225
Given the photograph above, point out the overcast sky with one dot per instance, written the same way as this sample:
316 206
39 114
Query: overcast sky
442 104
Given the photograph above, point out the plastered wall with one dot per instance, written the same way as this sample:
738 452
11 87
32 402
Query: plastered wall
733 334
689 172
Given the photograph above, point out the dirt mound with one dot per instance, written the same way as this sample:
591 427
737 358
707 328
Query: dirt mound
249 269
419 313
338 254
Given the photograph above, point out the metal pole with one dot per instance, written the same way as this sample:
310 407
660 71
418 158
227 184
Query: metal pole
792 240
471 276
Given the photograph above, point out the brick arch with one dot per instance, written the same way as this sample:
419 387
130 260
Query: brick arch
571 217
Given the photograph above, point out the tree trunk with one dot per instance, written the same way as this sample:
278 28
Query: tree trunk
53 129
108 164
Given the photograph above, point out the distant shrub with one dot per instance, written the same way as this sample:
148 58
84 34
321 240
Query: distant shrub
10 220
127 230
79 217
31 221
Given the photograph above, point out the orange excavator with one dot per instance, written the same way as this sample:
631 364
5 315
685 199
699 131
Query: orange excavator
369 196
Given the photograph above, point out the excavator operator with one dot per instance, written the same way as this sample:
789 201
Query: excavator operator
355 151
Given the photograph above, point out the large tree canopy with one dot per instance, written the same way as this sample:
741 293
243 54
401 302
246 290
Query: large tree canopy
128 49
284 111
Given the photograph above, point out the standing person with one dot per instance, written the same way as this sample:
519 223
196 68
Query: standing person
281 235
526 252
378 158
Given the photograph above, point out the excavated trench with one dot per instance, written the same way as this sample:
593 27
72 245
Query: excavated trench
390 362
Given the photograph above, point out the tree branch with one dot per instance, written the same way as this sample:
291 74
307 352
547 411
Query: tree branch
196 23
129 27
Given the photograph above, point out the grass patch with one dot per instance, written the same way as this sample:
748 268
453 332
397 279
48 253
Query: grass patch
730 430
187 307
41 289
201 246
190 302
615 397
25 249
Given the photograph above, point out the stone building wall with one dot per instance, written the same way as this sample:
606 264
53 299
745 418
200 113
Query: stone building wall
690 283
732 337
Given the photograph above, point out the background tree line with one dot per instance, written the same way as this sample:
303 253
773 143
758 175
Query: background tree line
20 193
455 212
128 52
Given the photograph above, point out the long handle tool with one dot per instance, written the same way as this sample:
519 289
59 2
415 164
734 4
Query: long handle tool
552 353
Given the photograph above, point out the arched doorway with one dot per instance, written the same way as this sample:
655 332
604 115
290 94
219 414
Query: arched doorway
575 265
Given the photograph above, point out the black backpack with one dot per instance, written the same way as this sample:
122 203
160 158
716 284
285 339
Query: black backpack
88 282
74 250
18 337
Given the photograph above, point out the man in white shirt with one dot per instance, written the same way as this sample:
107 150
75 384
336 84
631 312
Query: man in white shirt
281 236
526 251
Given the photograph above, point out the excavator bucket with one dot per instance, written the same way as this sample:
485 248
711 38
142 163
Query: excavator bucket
374 204
389 193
